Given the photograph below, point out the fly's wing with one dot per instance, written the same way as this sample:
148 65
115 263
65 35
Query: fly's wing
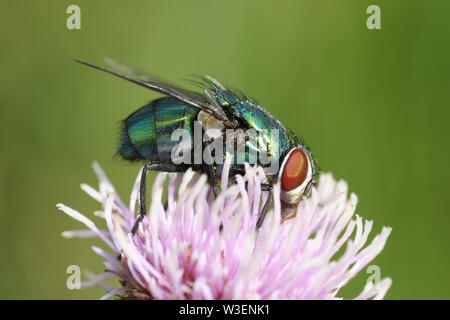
205 102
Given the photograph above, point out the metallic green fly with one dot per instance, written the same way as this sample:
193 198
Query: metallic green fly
147 135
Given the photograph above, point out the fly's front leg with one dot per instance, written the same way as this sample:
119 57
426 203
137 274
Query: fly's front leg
212 177
264 187
265 209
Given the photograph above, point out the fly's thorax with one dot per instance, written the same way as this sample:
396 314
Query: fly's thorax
213 127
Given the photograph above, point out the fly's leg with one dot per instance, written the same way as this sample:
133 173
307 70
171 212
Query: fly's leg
143 188
142 198
212 177
264 211
264 187
142 191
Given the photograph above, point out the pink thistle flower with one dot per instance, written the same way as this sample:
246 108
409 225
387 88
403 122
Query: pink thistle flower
205 248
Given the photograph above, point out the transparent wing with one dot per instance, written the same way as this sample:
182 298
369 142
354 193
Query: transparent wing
205 102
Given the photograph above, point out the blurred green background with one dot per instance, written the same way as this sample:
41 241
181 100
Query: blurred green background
372 104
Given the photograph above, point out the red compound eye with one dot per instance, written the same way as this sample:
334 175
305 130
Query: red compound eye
295 170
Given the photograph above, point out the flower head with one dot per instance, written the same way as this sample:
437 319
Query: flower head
198 247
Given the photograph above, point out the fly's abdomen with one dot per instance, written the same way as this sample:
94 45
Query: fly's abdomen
148 131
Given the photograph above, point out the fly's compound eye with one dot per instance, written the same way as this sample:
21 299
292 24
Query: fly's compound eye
295 170
296 174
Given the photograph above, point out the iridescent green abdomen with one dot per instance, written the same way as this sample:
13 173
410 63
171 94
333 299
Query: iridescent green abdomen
147 132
